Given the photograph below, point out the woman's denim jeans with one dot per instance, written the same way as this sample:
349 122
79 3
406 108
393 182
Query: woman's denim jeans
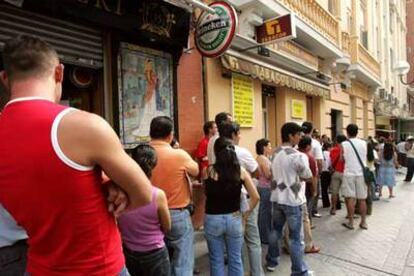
224 230
265 214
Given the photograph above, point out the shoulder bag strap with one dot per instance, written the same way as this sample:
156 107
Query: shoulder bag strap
357 154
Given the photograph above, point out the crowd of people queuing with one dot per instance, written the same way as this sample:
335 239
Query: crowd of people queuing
75 203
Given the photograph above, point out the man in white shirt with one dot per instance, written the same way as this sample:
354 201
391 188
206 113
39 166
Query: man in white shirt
316 151
290 169
221 118
353 185
251 234
13 246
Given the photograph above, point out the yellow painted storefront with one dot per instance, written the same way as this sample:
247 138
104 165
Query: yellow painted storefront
286 105
355 106
295 99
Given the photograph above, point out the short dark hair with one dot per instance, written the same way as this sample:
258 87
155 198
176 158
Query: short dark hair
290 128
304 142
28 56
260 145
207 126
221 118
161 127
326 146
352 130
228 129
307 127
146 158
340 138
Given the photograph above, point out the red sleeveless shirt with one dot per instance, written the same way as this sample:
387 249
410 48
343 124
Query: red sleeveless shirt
59 203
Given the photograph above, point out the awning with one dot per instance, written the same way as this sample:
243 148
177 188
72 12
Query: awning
246 65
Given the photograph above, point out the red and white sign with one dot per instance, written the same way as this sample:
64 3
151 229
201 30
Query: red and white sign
214 32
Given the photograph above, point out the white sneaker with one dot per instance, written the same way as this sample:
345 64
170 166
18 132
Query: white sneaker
311 273
271 268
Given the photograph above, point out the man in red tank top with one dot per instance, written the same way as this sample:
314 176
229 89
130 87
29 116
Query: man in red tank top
51 162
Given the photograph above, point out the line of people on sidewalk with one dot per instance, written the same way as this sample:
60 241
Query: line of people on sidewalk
79 205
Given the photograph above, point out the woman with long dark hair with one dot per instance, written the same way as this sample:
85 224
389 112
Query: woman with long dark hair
223 219
386 173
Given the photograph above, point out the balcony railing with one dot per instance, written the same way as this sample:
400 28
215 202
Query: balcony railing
345 43
295 51
360 55
369 61
314 14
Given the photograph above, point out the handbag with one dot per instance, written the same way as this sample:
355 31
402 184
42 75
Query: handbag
368 177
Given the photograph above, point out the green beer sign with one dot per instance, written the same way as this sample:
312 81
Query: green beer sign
215 32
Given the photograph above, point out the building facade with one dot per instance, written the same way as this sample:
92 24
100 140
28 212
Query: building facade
124 60
334 72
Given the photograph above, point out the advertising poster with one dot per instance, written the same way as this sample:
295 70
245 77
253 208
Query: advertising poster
243 105
298 109
145 78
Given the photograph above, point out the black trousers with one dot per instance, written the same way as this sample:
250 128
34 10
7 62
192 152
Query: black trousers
153 263
325 182
13 259
410 169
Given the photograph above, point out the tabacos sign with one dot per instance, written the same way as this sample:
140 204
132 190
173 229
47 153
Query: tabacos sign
214 32
277 29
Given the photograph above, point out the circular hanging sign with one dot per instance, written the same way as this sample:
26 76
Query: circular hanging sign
81 77
214 32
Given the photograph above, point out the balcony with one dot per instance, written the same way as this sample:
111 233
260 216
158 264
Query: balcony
366 67
345 43
368 61
317 30
316 16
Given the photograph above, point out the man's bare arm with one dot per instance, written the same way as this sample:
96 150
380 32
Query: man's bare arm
89 140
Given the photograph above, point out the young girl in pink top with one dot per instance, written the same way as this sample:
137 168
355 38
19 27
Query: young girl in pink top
142 229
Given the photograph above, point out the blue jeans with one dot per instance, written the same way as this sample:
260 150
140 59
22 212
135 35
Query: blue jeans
252 241
293 216
224 230
179 242
265 214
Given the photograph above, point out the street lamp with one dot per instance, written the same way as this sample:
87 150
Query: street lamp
402 67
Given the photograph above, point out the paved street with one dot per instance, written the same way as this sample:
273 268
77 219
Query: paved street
385 249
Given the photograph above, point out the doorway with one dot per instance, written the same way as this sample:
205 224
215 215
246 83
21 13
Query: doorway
336 123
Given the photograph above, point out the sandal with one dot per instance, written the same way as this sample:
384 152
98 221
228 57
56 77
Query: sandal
314 249
363 226
348 225
332 212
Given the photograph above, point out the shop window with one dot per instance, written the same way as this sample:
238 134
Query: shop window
80 88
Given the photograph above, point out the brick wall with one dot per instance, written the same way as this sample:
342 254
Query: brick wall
190 99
